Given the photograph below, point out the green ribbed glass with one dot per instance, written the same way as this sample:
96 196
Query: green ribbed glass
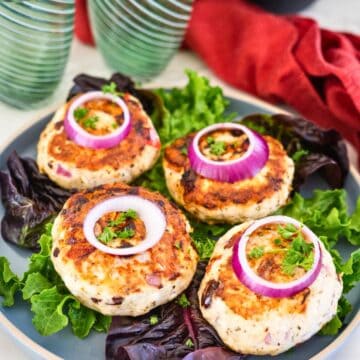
139 37
35 39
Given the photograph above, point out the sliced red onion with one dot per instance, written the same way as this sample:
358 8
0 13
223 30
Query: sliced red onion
230 171
79 135
261 286
151 215
60 170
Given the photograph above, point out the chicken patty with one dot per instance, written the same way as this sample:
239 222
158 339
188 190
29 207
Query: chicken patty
122 285
250 323
217 202
76 167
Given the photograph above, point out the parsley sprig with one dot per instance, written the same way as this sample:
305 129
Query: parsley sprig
90 122
111 89
298 254
80 113
216 147
108 234
183 301
87 122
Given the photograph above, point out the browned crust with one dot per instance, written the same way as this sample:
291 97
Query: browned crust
222 193
169 258
245 302
62 149
250 305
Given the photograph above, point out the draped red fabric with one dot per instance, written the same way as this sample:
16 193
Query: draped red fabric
282 59
286 59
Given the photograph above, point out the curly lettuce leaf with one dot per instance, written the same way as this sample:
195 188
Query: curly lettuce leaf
9 282
35 283
48 309
191 108
52 304
82 319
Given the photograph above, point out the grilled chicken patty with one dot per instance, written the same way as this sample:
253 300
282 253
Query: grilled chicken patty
250 323
214 201
76 167
122 285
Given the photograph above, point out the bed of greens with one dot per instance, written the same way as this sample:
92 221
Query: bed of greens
31 202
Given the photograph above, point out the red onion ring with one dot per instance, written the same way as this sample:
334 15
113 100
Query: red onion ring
267 288
230 171
77 134
153 218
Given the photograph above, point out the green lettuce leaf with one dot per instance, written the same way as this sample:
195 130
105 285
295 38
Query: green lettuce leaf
351 271
48 309
9 282
102 323
52 304
81 318
191 108
35 283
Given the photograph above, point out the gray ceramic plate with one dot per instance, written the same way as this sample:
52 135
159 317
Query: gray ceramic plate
17 320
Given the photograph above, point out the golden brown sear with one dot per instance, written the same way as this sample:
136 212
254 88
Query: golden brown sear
143 280
74 166
215 201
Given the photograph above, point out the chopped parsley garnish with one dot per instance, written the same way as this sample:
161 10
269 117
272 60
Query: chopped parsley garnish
125 234
114 125
256 252
287 231
184 151
178 245
90 122
129 214
298 254
109 234
154 319
298 155
189 343
80 113
110 89
217 148
183 301
210 140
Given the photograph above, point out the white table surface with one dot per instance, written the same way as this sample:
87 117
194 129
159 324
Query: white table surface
334 14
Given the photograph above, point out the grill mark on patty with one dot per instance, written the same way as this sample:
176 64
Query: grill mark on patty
208 293
118 300
59 124
56 252
188 181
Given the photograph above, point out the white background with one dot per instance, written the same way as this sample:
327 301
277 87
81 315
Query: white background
334 14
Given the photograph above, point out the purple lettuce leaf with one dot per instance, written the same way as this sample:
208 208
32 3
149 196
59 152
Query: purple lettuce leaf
132 338
313 149
30 200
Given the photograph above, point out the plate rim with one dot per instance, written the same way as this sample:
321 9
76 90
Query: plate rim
41 351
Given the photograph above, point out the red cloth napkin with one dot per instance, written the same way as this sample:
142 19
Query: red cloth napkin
82 24
282 59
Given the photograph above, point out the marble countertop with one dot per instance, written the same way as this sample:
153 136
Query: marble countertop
330 13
